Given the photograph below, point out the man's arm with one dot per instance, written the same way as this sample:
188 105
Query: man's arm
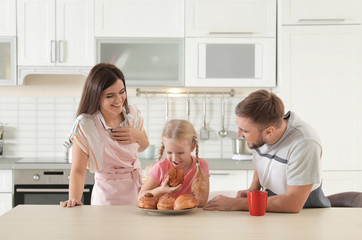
292 202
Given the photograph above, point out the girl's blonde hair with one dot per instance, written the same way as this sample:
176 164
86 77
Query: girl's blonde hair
178 129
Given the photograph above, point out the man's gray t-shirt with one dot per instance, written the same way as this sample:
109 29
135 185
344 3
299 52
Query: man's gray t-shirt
294 160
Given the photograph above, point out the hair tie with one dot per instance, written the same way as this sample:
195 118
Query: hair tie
197 164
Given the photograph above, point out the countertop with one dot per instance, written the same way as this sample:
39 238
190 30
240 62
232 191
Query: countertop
128 222
214 164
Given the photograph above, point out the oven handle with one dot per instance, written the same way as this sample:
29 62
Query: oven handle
46 190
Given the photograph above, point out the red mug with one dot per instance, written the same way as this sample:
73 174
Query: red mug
257 201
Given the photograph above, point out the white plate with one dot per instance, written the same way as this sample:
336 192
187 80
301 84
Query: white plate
166 212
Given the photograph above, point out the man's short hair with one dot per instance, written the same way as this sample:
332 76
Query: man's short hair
263 108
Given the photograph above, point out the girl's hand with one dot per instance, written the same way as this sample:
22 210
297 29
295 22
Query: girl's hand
125 135
167 189
71 203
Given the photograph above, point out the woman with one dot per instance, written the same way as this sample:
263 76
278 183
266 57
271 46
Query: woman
106 137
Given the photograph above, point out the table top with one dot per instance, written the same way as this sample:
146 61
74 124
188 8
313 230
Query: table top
129 222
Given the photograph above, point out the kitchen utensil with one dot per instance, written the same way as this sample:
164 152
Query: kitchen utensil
68 152
167 107
223 132
188 107
204 132
240 146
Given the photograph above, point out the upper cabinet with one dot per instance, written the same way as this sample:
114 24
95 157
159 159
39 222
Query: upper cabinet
230 17
7 42
7 18
322 12
55 32
139 18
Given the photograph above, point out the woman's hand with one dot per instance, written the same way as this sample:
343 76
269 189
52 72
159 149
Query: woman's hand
125 135
71 203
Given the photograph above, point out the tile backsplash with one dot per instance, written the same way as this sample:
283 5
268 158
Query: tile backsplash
37 126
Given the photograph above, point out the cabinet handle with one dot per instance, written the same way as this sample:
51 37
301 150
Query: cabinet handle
220 174
38 190
321 20
61 51
231 32
52 51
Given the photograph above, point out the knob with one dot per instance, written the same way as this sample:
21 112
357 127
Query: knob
36 177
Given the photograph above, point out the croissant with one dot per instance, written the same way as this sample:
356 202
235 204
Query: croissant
166 202
147 201
185 201
175 176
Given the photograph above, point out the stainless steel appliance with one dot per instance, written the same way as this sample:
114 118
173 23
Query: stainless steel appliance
45 183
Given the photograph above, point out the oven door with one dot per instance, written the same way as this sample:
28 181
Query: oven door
48 194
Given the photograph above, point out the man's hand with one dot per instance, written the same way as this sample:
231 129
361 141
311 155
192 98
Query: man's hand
224 203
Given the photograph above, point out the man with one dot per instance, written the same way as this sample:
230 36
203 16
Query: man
286 155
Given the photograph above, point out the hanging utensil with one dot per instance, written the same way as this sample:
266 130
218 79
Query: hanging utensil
167 107
223 132
188 107
204 132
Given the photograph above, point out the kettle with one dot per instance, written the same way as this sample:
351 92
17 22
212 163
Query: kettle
68 151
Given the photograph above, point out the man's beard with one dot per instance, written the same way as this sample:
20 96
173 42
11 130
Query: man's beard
258 144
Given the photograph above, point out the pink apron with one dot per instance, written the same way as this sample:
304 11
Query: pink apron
120 180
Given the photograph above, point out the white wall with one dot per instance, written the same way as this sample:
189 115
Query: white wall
39 115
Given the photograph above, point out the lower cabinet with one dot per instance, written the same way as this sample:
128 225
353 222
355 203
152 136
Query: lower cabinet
5 202
6 196
341 181
228 180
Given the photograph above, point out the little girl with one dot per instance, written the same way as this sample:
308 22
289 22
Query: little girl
179 140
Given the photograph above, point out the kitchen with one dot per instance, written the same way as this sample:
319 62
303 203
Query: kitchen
313 55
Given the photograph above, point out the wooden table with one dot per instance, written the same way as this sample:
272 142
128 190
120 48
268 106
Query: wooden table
126 222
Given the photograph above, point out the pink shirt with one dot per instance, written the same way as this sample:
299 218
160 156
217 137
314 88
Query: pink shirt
159 170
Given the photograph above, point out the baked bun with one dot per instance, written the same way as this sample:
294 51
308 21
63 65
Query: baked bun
166 202
147 201
175 176
185 201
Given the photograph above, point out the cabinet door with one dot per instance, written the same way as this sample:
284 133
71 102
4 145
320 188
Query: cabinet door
228 180
341 181
321 73
230 62
214 18
75 33
8 61
36 32
6 202
321 11
6 180
7 18
139 18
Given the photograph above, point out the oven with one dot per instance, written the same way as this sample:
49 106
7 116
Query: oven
46 186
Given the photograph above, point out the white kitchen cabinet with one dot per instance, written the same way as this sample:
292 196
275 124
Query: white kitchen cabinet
321 11
7 60
139 18
6 182
7 18
321 74
228 180
55 32
230 17
230 62
341 181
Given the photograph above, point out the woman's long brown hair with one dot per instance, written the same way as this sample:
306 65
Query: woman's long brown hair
101 77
